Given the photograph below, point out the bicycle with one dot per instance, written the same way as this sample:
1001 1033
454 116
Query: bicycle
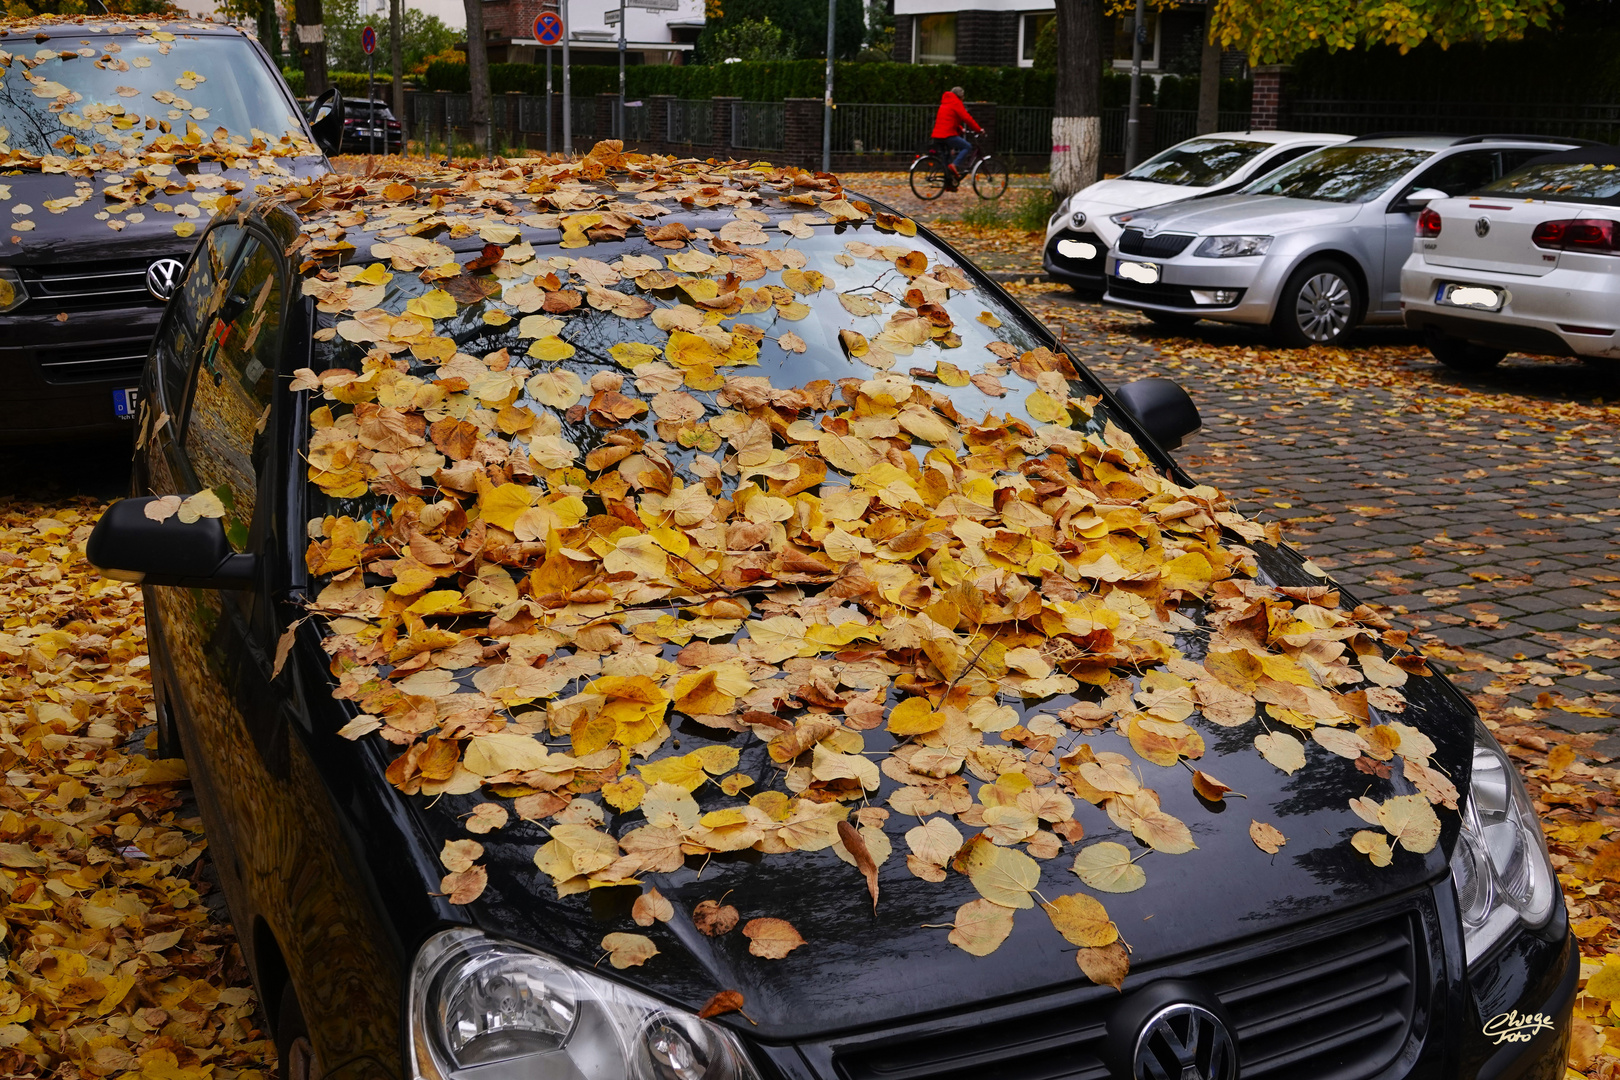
929 176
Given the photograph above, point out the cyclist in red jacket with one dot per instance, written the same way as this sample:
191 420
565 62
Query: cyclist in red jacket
953 115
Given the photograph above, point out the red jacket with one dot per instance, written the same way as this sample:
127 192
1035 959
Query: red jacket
952 116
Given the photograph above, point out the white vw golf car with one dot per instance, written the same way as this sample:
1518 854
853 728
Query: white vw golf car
1529 263
1079 235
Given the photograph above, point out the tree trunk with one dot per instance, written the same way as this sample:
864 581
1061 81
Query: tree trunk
309 40
478 77
270 31
1209 77
396 53
1077 115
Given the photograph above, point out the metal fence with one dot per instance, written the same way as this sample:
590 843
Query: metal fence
1171 126
1023 129
882 129
690 121
1570 119
758 125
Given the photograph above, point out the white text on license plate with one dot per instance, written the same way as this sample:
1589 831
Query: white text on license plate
1481 297
1140 272
125 402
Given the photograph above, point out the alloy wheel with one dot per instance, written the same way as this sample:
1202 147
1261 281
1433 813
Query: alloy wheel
1323 307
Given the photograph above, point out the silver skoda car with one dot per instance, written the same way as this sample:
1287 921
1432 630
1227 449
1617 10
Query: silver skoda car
1079 235
1311 250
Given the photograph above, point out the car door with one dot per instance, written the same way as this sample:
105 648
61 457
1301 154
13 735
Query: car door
1454 174
303 913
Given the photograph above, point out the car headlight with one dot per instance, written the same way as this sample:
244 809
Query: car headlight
1229 247
1499 867
500 1011
12 292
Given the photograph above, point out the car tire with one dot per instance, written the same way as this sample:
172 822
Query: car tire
1167 320
1086 293
1320 304
294 1051
1460 355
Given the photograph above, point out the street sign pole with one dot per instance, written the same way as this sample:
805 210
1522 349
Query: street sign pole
621 71
368 42
827 102
568 104
1133 125
548 30
548 99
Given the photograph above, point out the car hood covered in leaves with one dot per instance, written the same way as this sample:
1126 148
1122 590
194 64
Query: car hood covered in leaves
751 600
1257 214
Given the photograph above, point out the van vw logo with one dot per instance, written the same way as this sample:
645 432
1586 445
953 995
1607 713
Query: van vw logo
1184 1042
1481 227
163 277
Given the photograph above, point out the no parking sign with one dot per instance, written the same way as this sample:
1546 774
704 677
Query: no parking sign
368 40
548 29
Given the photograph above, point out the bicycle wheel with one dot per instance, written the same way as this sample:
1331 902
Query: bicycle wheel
989 178
928 177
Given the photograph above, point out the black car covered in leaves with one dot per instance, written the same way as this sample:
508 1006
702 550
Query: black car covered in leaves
645 618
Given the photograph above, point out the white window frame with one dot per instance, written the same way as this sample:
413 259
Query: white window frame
1150 57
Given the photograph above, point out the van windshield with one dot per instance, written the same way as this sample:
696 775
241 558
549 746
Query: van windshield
124 93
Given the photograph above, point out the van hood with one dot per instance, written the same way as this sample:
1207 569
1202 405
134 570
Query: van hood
861 967
125 214
1226 214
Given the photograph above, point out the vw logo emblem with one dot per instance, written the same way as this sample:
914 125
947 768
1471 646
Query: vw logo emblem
163 277
1078 218
1482 226
1184 1042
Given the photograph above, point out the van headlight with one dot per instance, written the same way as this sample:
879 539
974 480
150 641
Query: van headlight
12 292
1500 867
1231 247
495 1010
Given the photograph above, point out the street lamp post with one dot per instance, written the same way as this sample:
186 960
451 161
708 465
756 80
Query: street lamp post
827 101
1133 125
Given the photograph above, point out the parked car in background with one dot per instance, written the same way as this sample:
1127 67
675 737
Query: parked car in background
116 151
1529 263
1312 250
1082 230
635 663
370 127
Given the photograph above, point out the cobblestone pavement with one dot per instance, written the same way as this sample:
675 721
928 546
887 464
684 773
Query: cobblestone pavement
1484 510
1000 251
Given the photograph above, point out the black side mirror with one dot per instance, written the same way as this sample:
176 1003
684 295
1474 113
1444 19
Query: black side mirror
126 545
1163 408
326 120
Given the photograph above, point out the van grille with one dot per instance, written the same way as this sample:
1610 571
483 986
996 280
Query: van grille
94 361
1162 246
1338 1007
88 286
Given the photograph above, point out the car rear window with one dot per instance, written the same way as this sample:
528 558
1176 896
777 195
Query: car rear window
1197 162
125 92
1562 181
831 314
1342 174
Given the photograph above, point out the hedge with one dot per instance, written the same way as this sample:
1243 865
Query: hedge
771 80
352 84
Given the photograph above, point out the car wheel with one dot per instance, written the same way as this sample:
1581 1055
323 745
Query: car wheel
1319 305
1167 320
293 1048
1460 355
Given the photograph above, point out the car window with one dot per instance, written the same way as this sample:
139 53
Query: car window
135 91
1593 181
194 304
1286 155
1514 160
234 379
1343 174
1197 162
1458 174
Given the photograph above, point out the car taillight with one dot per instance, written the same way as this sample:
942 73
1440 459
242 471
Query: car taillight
1428 223
1599 235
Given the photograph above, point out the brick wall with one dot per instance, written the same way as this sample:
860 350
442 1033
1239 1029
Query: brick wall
514 18
988 38
1267 106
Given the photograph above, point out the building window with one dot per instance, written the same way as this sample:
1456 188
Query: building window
1030 31
1122 42
936 39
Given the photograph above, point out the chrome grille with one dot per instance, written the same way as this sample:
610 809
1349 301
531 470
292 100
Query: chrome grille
1162 246
84 287
100 361
1335 1007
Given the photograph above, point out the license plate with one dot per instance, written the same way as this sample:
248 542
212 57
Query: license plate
125 403
1478 297
1077 249
1140 272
